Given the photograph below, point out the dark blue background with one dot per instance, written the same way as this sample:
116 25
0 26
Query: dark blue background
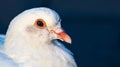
94 26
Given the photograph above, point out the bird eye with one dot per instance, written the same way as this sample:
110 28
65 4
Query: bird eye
40 23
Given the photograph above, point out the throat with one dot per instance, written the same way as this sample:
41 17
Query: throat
22 51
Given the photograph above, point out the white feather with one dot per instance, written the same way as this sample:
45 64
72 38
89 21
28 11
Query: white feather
34 49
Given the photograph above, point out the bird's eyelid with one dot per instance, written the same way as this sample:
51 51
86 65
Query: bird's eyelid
43 23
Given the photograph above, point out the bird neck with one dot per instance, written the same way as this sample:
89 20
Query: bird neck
20 48
31 53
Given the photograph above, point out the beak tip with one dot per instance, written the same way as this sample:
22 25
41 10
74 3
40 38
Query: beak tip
68 39
69 42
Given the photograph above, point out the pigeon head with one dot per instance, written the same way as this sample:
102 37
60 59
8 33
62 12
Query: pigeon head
38 24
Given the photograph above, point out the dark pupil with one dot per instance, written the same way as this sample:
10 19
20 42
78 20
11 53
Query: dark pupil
40 23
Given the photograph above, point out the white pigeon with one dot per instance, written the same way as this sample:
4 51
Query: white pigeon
30 41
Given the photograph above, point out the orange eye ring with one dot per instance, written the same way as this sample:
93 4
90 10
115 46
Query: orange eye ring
40 23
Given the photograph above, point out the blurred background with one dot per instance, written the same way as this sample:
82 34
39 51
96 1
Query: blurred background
94 26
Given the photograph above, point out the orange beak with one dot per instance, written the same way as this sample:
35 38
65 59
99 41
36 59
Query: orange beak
63 36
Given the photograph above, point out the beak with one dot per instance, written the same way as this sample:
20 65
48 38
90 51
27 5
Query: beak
62 36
